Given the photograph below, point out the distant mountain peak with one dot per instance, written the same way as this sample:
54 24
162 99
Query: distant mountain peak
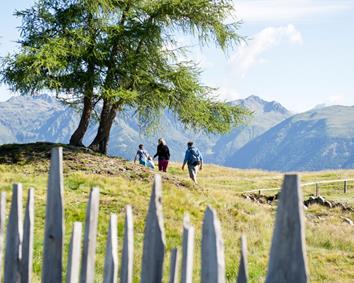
259 105
255 98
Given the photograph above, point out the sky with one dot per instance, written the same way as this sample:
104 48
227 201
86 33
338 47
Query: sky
297 52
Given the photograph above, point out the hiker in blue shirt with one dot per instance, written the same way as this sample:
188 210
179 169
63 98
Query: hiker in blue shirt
194 159
142 155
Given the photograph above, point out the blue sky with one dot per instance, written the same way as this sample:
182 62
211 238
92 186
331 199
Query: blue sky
299 52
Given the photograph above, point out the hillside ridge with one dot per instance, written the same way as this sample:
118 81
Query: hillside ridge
78 159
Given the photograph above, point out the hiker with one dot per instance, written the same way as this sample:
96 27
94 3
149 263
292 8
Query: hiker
142 155
150 163
194 160
163 154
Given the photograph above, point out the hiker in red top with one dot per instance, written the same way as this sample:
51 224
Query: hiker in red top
163 154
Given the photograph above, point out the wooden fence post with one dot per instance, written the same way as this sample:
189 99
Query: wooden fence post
73 269
288 261
2 229
27 243
345 187
213 260
154 237
14 238
111 260
54 221
188 250
89 249
317 189
242 270
126 273
174 266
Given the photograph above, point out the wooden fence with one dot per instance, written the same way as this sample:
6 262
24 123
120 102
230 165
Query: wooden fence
287 261
317 185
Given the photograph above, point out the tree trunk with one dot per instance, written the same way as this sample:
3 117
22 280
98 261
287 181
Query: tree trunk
78 135
108 114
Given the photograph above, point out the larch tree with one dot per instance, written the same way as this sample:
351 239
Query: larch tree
119 52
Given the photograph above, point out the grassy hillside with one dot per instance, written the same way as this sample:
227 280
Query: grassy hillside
330 241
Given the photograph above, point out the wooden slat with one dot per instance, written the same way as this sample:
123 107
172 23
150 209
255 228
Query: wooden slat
89 249
111 260
154 237
14 238
2 229
73 269
27 243
213 260
288 261
174 266
242 270
188 250
126 273
54 221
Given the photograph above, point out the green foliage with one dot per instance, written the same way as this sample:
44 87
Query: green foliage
120 51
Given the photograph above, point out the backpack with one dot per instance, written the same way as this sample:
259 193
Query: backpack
195 157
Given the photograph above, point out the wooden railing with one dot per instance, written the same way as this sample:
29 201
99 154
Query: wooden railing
315 183
287 261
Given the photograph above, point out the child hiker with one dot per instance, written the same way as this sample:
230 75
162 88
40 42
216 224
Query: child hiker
142 155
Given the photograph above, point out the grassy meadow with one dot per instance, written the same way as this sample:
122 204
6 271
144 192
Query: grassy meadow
330 240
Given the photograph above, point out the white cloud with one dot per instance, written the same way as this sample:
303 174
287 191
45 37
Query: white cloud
288 10
226 92
249 54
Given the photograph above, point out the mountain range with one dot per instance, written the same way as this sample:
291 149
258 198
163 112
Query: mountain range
272 139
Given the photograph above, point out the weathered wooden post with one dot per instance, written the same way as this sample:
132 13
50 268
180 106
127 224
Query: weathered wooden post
27 243
73 269
288 261
2 229
242 276
154 237
188 250
345 187
54 221
174 266
89 249
14 238
111 260
126 273
213 260
317 189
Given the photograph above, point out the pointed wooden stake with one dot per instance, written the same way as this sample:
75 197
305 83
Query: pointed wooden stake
174 266
188 250
73 269
126 274
111 260
154 237
27 247
288 261
2 229
213 260
242 270
89 249
14 236
54 221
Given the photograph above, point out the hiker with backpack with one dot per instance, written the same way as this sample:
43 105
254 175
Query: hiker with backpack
194 160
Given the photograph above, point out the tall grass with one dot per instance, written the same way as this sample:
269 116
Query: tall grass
330 241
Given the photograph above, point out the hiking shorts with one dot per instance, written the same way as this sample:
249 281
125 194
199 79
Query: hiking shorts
193 170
